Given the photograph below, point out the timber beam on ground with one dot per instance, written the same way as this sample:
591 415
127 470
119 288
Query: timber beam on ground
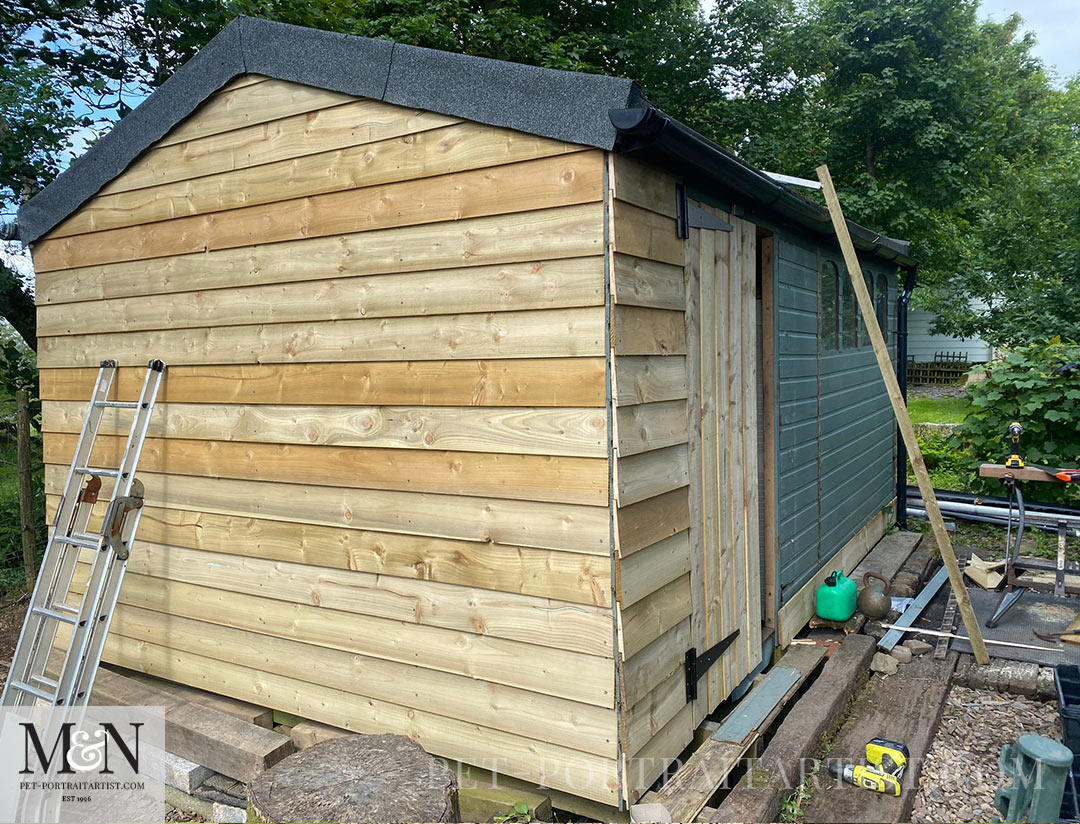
689 790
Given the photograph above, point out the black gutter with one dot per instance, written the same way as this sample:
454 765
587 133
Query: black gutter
669 143
902 301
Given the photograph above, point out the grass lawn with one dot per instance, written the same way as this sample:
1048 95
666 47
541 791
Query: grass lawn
938 410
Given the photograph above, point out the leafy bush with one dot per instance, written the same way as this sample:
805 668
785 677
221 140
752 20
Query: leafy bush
949 468
1039 386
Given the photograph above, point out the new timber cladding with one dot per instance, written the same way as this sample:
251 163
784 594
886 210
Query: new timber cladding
378 478
684 343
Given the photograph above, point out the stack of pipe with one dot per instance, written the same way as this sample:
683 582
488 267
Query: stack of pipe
990 509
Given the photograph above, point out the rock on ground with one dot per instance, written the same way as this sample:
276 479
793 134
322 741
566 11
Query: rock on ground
901 654
917 646
961 770
884 664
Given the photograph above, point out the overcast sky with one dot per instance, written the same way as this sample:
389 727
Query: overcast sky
1056 23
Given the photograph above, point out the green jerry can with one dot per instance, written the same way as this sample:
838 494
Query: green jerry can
836 597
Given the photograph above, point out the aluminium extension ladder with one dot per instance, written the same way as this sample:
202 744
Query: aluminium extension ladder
27 682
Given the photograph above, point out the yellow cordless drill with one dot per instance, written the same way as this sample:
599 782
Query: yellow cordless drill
887 760
889 757
1015 461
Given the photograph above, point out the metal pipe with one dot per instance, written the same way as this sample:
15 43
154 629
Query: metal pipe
958 510
902 301
990 500
920 513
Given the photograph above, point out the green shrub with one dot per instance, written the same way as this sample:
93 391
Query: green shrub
1035 386
949 468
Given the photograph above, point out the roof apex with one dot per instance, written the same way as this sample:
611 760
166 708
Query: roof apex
569 106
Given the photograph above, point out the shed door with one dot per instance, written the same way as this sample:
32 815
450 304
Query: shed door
723 373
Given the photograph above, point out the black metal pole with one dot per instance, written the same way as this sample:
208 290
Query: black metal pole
902 301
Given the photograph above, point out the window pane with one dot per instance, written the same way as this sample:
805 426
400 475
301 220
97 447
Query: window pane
829 317
864 333
848 325
883 306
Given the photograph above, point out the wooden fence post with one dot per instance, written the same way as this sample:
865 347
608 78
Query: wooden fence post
26 487
903 419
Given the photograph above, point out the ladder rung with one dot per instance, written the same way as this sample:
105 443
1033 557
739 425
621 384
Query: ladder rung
78 541
56 616
66 608
94 470
118 404
45 682
45 696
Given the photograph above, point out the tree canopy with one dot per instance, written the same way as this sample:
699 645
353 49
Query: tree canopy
938 127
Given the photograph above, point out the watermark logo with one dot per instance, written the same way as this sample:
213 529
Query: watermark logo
86 764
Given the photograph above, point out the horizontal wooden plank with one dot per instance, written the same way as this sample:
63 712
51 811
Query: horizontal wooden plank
567 283
455 148
346 124
255 103
563 575
652 616
522 477
533 715
655 663
1025 473
543 382
649 716
249 713
639 330
651 520
535 334
645 379
643 185
650 474
517 187
646 234
578 432
641 282
540 621
496 520
650 426
560 673
644 572
652 760
578 772
570 231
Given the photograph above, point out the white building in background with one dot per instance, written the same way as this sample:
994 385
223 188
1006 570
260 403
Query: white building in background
923 346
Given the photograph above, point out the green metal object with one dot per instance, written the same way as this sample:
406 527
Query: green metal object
1039 768
836 597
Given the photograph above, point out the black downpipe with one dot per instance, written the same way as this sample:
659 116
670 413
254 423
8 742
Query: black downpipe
902 301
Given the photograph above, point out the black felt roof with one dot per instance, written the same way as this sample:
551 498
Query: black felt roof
569 106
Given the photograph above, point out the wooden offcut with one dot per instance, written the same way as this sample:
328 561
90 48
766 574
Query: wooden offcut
903 418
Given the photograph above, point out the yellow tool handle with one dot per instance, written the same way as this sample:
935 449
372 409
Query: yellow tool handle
870 779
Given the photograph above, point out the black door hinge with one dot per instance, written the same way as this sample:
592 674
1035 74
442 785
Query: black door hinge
691 216
697 666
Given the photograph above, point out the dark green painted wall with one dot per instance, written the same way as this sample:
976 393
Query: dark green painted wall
836 452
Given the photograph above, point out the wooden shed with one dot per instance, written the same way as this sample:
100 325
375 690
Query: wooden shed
492 391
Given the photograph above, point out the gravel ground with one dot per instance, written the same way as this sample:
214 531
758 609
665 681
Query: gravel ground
961 771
